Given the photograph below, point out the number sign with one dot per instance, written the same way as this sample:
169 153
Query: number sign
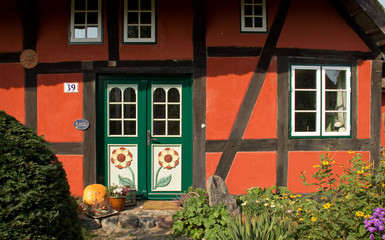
71 87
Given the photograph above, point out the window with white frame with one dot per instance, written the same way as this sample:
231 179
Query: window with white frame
253 16
320 101
86 21
139 21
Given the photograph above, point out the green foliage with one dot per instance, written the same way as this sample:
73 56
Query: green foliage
197 219
34 193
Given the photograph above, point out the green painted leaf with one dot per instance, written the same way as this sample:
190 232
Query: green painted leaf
125 181
163 182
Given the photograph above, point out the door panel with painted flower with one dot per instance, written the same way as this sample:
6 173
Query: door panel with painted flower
147 134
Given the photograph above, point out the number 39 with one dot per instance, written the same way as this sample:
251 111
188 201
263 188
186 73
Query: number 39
71 87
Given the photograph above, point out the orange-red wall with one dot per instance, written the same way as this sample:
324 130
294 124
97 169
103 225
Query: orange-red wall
11 34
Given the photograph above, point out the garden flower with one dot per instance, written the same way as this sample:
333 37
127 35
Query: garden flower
313 219
360 214
327 205
244 204
351 152
325 163
360 172
316 166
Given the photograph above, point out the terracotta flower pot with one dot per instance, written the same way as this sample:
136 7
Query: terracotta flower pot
117 203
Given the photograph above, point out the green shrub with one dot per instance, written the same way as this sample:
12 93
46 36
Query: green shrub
35 201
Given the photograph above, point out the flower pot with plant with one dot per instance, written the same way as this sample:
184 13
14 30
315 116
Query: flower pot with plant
117 197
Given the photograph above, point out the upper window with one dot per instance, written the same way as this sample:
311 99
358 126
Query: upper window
139 21
253 16
86 21
320 101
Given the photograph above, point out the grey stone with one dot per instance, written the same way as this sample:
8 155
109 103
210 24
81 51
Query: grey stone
128 221
147 222
110 222
219 193
89 223
164 221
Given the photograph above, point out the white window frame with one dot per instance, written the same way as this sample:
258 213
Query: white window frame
243 16
320 102
98 39
152 39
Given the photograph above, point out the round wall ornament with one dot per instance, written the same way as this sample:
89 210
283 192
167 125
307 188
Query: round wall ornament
29 58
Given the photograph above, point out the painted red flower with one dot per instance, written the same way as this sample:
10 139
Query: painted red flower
121 157
168 158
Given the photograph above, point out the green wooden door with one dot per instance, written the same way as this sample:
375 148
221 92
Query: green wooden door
147 134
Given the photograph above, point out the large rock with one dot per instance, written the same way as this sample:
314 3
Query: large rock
110 222
89 223
128 221
219 193
164 221
146 222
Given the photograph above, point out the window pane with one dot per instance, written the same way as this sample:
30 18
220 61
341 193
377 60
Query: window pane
129 111
133 4
305 79
248 1
129 127
80 18
159 111
92 18
335 79
248 22
145 32
92 5
159 95
257 1
173 95
145 4
80 32
258 10
132 32
132 18
335 100
80 4
305 122
115 111
173 128
335 122
173 111
145 18
305 100
159 127
129 95
115 95
92 32
248 10
258 22
115 128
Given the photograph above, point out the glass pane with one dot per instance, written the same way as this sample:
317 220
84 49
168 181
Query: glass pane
132 18
248 1
305 100
92 32
129 95
159 128
129 127
80 4
173 111
258 10
132 4
80 18
115 111
129 111
115 128
132 32
92 5
159 95
248 10
335 100
145 32
257 1
248 22
92 18
335 79
115 95
305 122
305 79
173 95
258 22
159 111
80 32
145 4
145 18
335 122
173 128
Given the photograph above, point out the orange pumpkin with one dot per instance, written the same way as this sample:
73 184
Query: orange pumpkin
94 194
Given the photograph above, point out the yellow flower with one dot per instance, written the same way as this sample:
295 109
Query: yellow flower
323 197
325 163
351 152
313 219
299 209
367 216
301 219
316 166
327 205
360 172
299 195
360 214
347 196
308 210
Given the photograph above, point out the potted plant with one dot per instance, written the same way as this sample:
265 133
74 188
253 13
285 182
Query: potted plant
117 197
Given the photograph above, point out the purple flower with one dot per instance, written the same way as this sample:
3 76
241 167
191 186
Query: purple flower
381 228
371 236
371 229
383 236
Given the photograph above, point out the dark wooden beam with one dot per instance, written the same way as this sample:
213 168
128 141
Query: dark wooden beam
233 51
28 16
67 148
320 53
338 144
199 90
374 10
375 112
113 29
12 57
247 145
30 98
252 93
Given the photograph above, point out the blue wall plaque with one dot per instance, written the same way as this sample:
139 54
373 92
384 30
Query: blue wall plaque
81 124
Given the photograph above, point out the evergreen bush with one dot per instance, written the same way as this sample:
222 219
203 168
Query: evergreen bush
35 201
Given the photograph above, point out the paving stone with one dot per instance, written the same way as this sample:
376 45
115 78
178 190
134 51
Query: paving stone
128 221
110 222
89 223
146 222
164 221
